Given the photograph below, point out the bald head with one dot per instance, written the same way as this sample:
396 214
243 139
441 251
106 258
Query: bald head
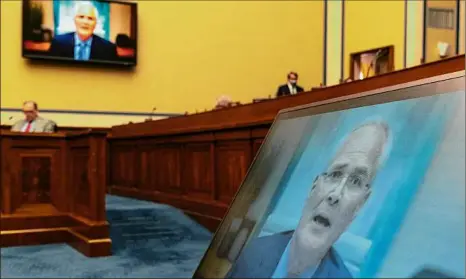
364 146
85 20
30 110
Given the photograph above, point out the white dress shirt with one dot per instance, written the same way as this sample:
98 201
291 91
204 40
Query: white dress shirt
292 89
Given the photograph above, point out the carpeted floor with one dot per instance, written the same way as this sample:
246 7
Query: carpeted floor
149 241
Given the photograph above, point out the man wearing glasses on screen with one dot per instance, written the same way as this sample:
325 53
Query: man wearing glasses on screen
332 204
83 44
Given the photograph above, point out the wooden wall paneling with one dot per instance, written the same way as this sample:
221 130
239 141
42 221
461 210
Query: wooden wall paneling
132 168
144 172
148 160
168 170
232 162
213 161
114 172
80 184
38 206
116 162
98 177
197 172
151 169
64 204
6 178
230 134
125 165
188 138
79 151
35 176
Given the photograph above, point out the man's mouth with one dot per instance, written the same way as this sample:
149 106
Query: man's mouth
321 220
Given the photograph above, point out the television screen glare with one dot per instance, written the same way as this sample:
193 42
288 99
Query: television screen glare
102 32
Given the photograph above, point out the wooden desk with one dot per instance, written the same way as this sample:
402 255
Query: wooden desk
197 162
65 129
53 190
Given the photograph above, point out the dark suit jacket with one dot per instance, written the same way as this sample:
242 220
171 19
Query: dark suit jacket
261 256
284 90
101 49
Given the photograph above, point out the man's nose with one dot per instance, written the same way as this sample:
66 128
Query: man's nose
335 195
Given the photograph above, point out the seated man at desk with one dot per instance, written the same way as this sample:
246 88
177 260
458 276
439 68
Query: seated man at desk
291 87
32 122
333 202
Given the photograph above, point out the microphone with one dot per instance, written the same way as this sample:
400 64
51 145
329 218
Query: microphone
151 113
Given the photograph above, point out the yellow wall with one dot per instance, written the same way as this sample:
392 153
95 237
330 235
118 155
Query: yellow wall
373 24
189 53
414 32
435 35
334 23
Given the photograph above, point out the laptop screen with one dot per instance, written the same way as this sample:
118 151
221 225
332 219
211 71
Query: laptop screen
372 186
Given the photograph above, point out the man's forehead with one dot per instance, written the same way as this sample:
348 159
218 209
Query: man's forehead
86 10
29 106
351 160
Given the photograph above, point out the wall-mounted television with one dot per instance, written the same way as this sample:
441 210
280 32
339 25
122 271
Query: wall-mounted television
93 32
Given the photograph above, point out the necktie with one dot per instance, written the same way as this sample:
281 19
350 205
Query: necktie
28 127
81 49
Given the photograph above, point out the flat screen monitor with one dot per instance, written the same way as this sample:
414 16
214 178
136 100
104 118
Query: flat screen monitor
102 32
371 186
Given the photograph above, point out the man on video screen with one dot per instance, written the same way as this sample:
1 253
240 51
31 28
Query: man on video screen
83 44
332 204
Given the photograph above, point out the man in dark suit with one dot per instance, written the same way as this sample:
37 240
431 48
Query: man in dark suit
333 202
83 44
291 87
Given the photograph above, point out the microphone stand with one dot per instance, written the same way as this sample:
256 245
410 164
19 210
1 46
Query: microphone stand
151 114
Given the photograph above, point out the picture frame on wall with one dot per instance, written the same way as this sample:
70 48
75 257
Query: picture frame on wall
372 62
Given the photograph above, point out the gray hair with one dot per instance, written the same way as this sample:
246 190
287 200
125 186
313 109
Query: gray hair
81 4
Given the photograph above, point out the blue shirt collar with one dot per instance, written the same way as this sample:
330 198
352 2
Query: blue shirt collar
282 267
77 40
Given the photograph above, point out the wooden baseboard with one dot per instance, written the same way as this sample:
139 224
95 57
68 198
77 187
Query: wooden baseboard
90 238
211 223
90 247
15 222
207 213
33 237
